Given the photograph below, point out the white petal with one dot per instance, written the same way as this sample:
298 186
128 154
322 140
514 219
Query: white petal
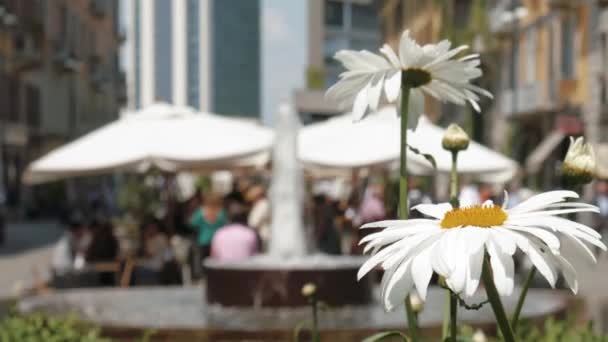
541 200
569 273
504 240
548 238
416 103
375 90
460 256
433 210
392 87
361 104
387 50
398 286
540 260
502 267
439 258
398 223
409 51
474 272
422 271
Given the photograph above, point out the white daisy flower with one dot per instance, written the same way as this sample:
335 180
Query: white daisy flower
454 241
428 69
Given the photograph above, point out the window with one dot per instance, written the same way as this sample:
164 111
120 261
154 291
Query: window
32 101
568 51
334 13
531 48
514 69
364 17
462 11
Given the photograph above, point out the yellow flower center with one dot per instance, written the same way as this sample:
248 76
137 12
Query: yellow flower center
478 216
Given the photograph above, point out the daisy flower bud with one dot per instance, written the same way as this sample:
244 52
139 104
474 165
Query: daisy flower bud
416 303
455 139
309 289
579 164
479 336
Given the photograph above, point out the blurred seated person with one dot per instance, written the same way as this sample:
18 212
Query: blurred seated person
69 252
155 252
103 248
206 220
235 241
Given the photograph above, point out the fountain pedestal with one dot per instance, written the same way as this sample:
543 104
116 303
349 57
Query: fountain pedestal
270 282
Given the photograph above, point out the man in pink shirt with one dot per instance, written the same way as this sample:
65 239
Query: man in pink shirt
235 241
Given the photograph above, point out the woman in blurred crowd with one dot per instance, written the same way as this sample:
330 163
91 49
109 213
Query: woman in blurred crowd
206 220
259 216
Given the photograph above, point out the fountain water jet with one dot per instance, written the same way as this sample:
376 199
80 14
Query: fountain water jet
275 279
287 234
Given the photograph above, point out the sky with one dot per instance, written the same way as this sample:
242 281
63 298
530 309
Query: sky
284 52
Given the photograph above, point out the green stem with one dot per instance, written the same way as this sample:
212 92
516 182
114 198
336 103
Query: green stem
522 298
445 327
403 207
453 317
315 321
450 310
454 180
496 303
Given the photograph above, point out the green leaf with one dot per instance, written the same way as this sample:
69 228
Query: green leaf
383 335
426 156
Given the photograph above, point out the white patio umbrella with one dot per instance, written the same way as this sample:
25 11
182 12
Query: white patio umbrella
168 137
339 144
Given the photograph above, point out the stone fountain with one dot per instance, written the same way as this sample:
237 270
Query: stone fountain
275 279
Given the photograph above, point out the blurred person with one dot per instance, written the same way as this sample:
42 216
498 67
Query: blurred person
260 214
206 220
486 193
69 252
155 252
326 234
240 186
103 248
235 241
416 196
372 207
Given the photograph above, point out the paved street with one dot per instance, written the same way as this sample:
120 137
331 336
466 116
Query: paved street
27 247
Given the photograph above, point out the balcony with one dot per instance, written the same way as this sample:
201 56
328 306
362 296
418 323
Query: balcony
525 100
67 62
565 4
26 53
28 15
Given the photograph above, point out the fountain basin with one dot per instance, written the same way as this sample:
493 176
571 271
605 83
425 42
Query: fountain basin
265 281
182 314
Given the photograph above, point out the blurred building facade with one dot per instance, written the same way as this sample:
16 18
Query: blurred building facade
546 62
334 25
59 77
200 53
552 58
